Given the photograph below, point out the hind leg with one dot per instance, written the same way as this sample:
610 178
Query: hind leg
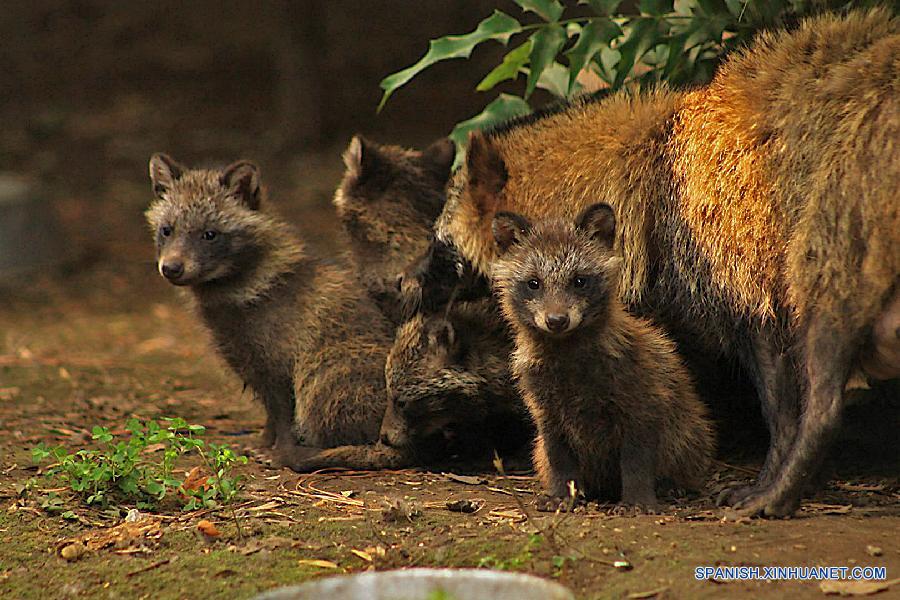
828 354
774 374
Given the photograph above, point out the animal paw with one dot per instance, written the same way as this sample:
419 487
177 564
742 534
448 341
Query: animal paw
634 510
545 503
768 503
735 494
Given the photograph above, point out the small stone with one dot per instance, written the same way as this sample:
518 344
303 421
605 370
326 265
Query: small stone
73 551
874 550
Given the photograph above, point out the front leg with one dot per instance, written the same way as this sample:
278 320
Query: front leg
267 438
556 466
829 351
638 465
279 403
774 375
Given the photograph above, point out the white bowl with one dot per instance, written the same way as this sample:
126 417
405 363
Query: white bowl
425 584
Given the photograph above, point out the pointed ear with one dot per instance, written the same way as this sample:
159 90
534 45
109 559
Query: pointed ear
438 158
164 172
509 228
599 222
486 172
362 158
241 180
441 334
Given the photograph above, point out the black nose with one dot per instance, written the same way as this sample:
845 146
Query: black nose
557 323
172 270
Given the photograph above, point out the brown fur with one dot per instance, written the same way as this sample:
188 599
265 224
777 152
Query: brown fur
387 203
758 214
610 396
450 376
450 395
299 332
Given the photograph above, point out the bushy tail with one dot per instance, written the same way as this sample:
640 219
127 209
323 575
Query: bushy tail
364 458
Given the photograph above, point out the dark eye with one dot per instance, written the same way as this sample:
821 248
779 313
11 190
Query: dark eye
579 282
209 235
165 231
534 284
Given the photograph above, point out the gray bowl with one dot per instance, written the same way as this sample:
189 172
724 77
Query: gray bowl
425 584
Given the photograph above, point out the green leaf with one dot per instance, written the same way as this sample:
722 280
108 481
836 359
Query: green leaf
713 7
499 26
155 488
508 69
548 41
602 7
549 10
676 55
39 453
656 7
555 79
593 38
503 108
641 37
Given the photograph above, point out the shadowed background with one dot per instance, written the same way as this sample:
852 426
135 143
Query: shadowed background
93 87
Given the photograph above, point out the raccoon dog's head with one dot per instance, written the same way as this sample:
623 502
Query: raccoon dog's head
206 223
556 277
425 390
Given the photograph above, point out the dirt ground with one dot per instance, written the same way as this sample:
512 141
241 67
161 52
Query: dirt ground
103 339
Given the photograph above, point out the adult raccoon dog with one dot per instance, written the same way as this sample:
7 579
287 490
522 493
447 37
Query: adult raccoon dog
387 203
612 401
450 396
759 214
300 333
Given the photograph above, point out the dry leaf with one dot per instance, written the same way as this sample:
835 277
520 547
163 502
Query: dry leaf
467 479
828 509
120 537
856 588
650 594
324 564
208 528
266 506
861 487
196 480
363 555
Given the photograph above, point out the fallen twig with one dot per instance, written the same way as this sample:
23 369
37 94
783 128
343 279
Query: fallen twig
155 565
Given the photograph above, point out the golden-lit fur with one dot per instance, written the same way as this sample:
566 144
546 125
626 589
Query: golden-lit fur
758 214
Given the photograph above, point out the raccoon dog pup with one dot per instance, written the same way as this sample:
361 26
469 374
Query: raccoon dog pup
301 334
614 406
